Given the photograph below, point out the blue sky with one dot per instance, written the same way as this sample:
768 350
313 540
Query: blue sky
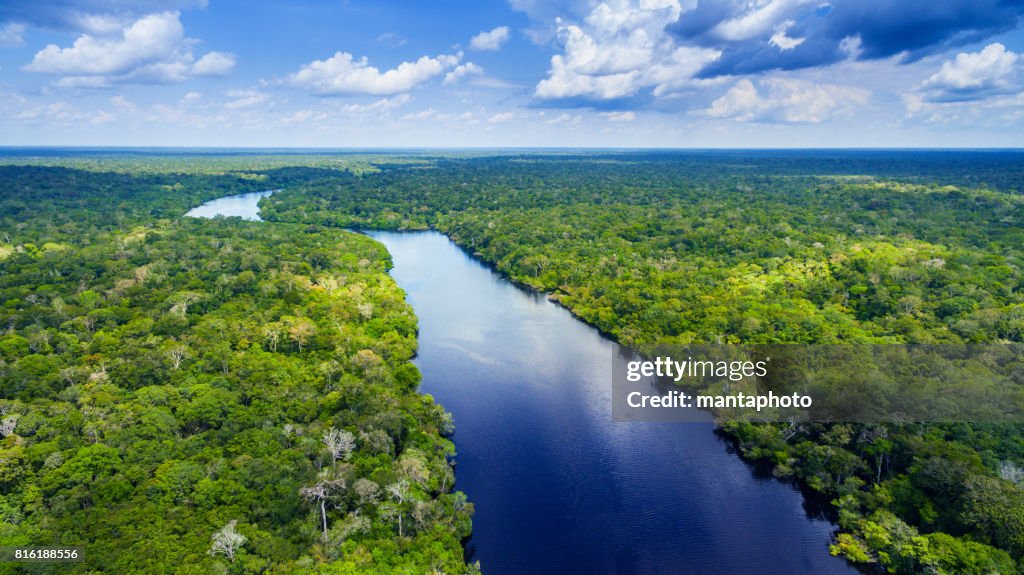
612 73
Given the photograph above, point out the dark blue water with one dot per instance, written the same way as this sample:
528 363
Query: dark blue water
558 486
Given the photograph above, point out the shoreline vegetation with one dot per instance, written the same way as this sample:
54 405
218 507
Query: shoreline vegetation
648 248
185 395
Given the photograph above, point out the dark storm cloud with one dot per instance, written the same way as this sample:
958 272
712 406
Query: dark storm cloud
913 28
920 27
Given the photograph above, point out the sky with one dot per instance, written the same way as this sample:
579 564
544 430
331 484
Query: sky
512 73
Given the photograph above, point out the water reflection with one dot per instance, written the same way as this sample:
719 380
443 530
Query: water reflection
244 206
559 487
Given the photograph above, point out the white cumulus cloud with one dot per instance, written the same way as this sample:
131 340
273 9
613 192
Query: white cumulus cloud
343 75
491 40
462 70
973 75
970 86
150 39
786 100
620 49
214 64
153 48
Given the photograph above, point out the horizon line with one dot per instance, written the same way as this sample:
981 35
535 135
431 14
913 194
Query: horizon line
6 147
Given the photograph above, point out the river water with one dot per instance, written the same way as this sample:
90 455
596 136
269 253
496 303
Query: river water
559 487
243 206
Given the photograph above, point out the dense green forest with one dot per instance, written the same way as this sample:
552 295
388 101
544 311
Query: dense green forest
170 384
204 396
767 248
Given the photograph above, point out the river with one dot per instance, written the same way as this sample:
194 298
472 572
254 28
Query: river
243 206
559 487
